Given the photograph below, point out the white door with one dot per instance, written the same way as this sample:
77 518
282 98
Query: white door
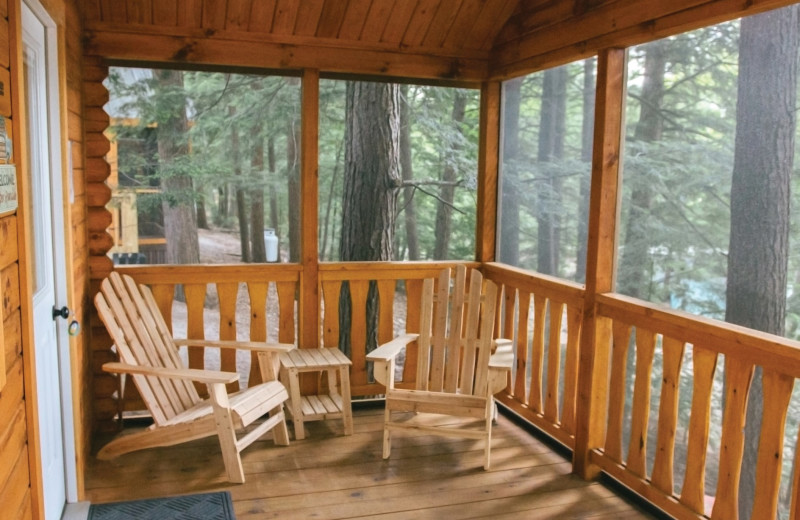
53 385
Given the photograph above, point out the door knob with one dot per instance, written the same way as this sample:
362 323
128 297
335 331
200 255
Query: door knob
63 312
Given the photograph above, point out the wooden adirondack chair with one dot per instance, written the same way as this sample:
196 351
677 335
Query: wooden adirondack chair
147 351
457 372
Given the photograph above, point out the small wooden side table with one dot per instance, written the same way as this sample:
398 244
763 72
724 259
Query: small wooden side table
333 405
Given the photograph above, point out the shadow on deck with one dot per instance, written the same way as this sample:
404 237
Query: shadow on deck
331 476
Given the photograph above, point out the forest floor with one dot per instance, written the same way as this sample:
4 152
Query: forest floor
223 247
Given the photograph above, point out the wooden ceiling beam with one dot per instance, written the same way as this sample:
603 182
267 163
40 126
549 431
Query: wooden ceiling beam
218 48
621 23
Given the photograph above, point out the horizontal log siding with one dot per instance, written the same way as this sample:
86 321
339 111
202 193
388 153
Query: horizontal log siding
15 477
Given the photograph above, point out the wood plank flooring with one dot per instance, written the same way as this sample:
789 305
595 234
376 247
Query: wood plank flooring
330 476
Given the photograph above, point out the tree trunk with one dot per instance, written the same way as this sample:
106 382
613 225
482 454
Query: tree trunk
510 189
180 217
760 201
407 169
635 259
202 217
241 202
551 148
222 207
273 192
444 210
330 208
371 184
258 250
587 141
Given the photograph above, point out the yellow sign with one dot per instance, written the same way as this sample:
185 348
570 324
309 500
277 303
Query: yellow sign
8 188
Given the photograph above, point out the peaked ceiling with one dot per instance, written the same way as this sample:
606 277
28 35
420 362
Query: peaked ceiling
456 29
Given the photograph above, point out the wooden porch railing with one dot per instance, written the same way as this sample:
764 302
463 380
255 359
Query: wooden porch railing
544 316
200 281
630 323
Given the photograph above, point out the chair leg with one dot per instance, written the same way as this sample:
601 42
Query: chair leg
491 410
387 434
280 432
226 433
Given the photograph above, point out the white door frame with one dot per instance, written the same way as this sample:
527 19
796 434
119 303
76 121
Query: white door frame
53 89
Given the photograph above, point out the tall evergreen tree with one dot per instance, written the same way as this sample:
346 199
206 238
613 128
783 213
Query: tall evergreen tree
760 196
371 184
180 217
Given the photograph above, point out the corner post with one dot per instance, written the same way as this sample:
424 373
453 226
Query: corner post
308 306
488 162
601 258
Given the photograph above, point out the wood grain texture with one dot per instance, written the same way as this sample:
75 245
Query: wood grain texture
640 410
704 363
617 394
663 476
738 376
777 392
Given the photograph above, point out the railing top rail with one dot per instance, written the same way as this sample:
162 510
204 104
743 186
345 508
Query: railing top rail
213 273
553 288
759 348
341 271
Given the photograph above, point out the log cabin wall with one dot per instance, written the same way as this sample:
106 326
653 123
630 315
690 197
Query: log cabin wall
20 479
15 451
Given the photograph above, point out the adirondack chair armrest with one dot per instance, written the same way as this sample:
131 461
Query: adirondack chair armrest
503 356
255 346
208 377
390 349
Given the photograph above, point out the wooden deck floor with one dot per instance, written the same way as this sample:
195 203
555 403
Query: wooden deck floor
331 476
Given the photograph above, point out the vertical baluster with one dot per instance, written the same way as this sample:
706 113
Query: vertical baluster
640 413
195 328
704 363
777 391
164 294
738 376
330 321
227 293
521 379
551 412
510 295
621 333
257 293
359 291
286 311
537 353
663 475
386 290
574 320
794 510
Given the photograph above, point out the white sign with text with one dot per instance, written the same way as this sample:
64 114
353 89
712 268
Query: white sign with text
8 188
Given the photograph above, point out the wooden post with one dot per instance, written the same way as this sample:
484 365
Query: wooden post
488 159
601 254
308 307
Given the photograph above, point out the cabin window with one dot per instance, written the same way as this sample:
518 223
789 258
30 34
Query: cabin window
204 166
545 169
397 171
708 221
709 203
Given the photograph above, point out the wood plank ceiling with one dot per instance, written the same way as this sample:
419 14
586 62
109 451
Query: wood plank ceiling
462 31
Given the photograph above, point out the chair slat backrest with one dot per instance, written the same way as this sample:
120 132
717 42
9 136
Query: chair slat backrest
456 327
141 337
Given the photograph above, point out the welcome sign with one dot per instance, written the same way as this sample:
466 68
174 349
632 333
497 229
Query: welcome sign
8 188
